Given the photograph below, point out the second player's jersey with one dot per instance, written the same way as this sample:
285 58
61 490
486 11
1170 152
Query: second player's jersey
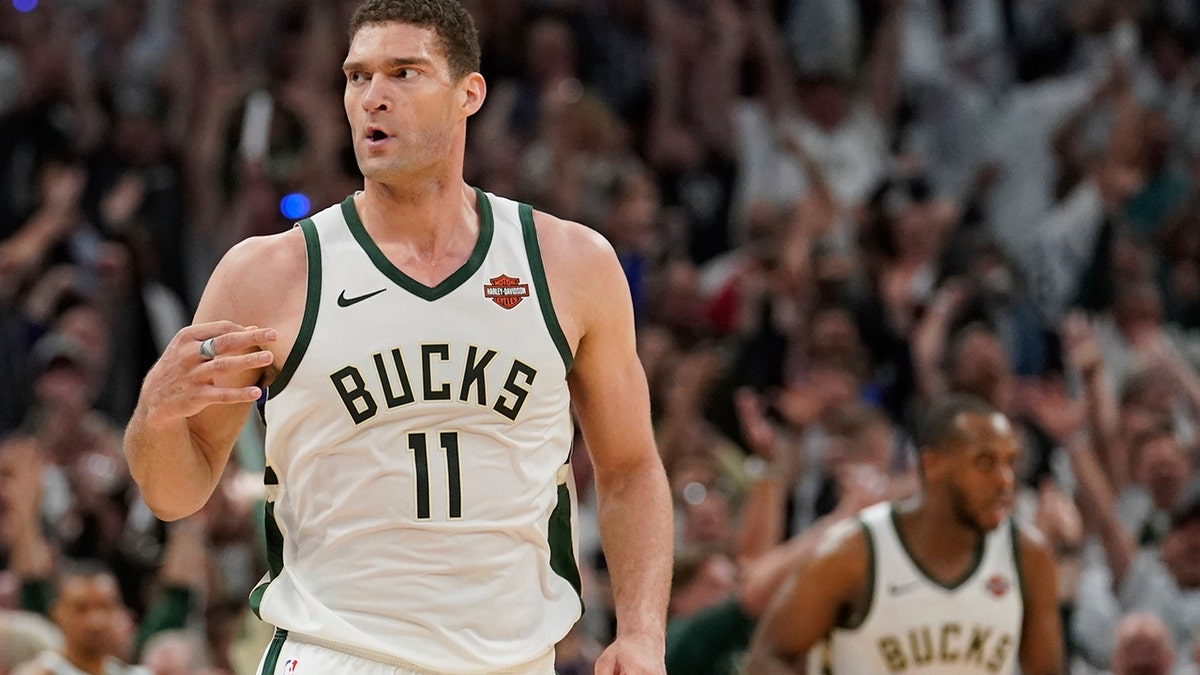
917 625
419 500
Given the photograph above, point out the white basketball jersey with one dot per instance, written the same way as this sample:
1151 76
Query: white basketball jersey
419 500
914 624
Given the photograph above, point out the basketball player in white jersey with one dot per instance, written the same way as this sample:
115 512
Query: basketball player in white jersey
944 584
420 346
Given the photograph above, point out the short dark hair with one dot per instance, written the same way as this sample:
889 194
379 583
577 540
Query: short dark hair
938 427
80 568
83 568
448 18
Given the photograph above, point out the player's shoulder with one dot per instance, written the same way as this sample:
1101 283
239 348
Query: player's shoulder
583 272
580 263
268 255
560 238
256 277
1039 589
1033 550
845 548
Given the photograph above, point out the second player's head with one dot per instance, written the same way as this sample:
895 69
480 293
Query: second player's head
968 454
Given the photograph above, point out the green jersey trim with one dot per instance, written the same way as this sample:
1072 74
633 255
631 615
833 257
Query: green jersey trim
1015 533
256 596
952 585
856 620
312 302
534 253
274 552
562 549
486 227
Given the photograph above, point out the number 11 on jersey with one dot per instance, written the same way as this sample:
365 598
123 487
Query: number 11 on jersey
418 443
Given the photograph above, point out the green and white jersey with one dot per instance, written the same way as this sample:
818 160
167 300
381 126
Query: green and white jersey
419 500
914 624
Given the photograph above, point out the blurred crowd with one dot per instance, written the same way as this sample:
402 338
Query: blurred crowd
829 212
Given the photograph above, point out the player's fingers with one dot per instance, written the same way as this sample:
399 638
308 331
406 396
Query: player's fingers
242 340
233 363
214 394
203 331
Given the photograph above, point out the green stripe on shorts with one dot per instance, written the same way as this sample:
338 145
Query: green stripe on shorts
272 658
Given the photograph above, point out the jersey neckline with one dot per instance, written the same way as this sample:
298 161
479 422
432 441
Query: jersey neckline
381 262
921 569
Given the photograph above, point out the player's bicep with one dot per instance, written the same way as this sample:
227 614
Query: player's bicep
224 300
613 408
608 385
1041 632
236 292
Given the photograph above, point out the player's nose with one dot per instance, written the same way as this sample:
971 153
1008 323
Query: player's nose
1006 477
375 98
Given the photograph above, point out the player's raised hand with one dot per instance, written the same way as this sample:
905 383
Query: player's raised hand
206 364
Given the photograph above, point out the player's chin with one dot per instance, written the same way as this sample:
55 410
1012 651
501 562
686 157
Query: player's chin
378 169
989 519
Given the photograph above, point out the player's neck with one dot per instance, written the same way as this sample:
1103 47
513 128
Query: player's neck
432 217
91 664
932 527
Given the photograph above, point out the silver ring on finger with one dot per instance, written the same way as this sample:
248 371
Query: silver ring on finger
208 349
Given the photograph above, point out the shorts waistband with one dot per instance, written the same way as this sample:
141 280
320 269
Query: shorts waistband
537 666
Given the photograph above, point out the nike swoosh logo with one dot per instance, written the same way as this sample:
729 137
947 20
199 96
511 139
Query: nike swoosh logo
897 589
343 301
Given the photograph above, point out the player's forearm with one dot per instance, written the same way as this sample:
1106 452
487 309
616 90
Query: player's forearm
173 472
30 556
636 528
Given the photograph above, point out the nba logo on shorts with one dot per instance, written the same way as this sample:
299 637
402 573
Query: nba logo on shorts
289 666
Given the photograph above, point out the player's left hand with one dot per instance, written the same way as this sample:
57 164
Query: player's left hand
632 655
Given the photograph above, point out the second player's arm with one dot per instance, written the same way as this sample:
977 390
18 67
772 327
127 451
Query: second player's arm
1041 631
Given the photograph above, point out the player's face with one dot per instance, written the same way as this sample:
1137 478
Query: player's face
981 484
406 110
87 610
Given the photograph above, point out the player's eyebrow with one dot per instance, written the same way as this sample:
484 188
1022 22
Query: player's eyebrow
393 63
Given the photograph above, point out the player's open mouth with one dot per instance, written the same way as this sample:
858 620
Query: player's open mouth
375 136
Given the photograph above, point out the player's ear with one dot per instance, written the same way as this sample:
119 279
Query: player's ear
932 463
472 90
